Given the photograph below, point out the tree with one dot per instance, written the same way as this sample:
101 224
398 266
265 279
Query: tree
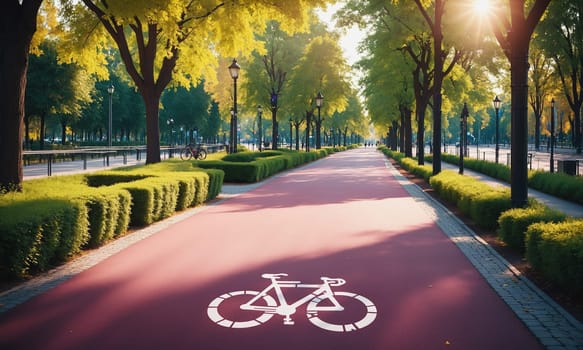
268 71
17 27
312 74
189 109
561 33
178 41
541 72
513 30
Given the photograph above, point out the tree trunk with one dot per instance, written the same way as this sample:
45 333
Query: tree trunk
438 58
407 146
274 129
308 122
519 123
152 101
420 135
17 26
297 136
578 130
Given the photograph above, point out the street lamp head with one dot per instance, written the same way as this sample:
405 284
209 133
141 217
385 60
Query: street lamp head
232 112
259 109
497 103
110 89
553 103
234 69
319 99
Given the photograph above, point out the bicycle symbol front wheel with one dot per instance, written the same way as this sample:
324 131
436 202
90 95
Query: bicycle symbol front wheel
223 309
355 306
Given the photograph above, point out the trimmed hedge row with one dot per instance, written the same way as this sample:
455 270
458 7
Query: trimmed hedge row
553 242
514 223
29 243
483 203
55 218
556 184
556 249
250 167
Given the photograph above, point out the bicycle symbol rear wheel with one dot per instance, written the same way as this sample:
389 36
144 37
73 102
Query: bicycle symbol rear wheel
369 311
215 315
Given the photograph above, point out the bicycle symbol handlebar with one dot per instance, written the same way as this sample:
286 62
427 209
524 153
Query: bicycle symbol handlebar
272 300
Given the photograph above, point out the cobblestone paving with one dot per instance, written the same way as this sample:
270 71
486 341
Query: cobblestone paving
549 322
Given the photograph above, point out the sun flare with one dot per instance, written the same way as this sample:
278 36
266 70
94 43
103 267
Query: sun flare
481 6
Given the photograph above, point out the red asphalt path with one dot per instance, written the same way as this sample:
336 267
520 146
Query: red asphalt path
343 217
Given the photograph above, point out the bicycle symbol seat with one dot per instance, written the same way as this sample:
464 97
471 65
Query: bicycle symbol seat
262 306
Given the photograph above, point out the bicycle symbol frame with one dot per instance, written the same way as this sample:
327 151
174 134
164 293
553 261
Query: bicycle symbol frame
264 302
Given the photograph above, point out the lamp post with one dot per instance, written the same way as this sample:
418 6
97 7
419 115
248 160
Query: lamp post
110 90
319 101
291 126
234 69
497 103
231 130
463 137
260 116
553 135
170 123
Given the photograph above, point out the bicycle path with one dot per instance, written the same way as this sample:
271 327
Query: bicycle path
432 284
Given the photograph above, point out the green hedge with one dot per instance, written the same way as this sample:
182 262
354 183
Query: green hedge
514 223
251 167
483 203
109 213
554 245
411 165
54 218
32 243
495 170
108 210
556 249
557 184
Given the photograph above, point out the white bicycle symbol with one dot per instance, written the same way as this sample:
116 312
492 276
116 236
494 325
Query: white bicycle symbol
320 301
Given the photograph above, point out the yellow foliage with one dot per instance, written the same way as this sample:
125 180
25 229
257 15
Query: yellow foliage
201 31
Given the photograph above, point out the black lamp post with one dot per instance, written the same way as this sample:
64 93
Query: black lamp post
291 126
553 135
231 131
463 136
234 69
170 123
110 90
319 101
497 103
260 116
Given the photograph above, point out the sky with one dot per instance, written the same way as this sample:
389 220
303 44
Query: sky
349 39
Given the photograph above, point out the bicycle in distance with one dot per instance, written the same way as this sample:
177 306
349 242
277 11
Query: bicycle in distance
330 310
193 151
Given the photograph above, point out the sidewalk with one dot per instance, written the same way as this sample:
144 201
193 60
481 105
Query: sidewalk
426 281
